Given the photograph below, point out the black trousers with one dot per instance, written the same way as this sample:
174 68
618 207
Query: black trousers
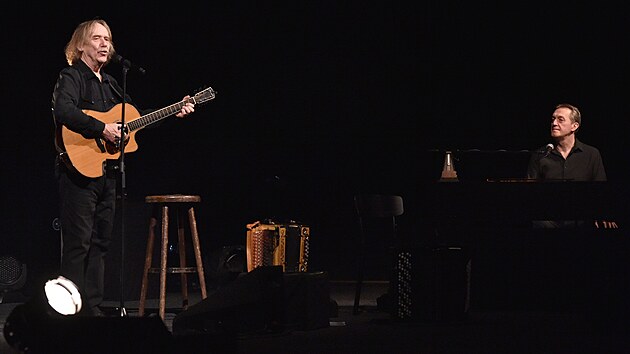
87 209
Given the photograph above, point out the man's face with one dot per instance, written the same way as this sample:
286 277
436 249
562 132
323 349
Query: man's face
561 123
96 48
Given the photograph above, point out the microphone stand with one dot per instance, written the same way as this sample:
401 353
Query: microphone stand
123 191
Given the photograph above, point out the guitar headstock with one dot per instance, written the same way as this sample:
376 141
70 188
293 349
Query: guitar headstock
204 95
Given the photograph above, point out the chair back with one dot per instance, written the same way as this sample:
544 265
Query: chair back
378 205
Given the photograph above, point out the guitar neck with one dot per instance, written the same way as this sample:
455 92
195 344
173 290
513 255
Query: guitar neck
155 116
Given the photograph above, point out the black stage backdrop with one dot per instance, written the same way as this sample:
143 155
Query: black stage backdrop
317 101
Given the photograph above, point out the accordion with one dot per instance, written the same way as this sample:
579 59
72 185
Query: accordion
273 244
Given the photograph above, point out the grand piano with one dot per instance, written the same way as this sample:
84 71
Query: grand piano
518 266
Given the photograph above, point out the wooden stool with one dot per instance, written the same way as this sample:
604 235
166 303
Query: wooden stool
178 201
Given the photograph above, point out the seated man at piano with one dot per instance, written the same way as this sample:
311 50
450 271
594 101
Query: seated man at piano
568 159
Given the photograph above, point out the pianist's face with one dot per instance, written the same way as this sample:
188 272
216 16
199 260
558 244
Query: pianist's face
561 123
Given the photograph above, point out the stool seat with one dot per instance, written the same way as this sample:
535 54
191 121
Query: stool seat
161 205
172 198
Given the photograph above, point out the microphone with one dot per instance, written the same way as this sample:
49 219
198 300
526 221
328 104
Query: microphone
117 58
548 149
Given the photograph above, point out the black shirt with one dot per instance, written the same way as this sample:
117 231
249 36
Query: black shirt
77 89
584 163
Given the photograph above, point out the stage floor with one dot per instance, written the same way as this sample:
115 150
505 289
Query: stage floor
374 331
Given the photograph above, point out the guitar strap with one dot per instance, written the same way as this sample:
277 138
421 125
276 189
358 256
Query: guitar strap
117 90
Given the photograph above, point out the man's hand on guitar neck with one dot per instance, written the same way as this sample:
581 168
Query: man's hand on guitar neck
187 108
111 133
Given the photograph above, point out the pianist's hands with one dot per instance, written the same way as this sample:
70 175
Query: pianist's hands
604 224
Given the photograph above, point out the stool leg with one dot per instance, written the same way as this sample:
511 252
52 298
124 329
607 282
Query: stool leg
197 249
182 259
163 253
148 259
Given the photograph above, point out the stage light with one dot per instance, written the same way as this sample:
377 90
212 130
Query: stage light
29 322
55 320
63 296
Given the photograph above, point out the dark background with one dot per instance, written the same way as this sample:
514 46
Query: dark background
317 101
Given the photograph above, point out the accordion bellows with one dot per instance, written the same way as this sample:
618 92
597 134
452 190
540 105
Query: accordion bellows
270 244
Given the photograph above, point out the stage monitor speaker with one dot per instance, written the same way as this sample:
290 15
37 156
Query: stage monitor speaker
307 303
250 304
12 275
73 334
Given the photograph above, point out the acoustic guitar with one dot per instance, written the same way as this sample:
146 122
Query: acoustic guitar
87 156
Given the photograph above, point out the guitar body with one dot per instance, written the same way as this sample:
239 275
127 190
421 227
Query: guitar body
88 155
